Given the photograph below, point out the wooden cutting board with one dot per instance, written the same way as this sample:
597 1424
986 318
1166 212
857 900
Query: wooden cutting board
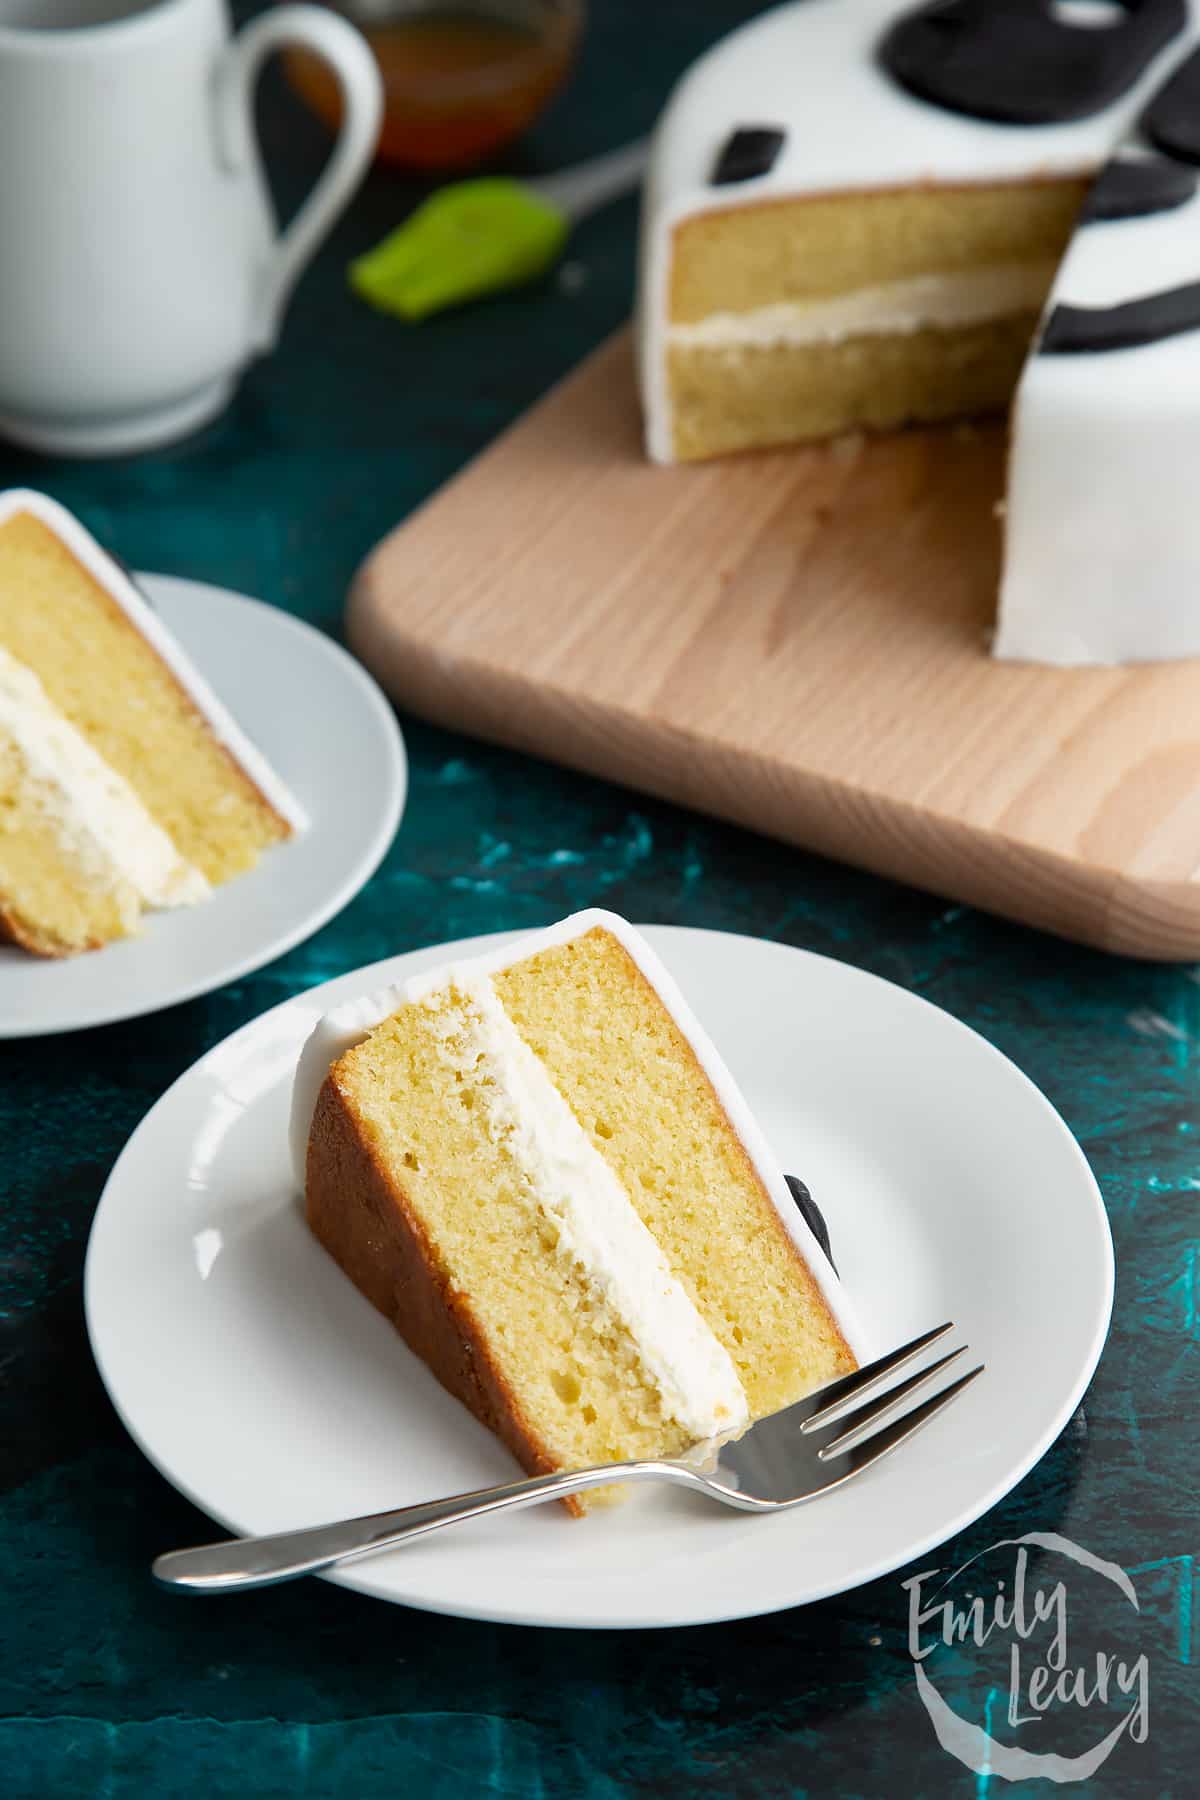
796 641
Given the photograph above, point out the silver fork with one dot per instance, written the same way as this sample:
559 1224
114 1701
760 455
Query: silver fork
782 1461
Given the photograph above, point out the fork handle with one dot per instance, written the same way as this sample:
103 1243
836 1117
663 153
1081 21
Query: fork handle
252 1562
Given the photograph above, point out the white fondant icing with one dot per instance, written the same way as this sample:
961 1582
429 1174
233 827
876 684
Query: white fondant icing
345 1026
113 579
965 298
1102 528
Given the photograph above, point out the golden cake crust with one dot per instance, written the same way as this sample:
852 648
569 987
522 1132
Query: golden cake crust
359 1212
14 931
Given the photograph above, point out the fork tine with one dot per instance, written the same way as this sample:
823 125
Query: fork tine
837 1394
862 1454
851 1426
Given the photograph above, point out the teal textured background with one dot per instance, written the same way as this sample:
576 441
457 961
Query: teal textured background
108 1687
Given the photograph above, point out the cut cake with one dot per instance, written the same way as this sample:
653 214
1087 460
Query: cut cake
862 214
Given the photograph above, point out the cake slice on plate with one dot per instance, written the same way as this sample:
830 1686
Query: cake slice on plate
124 782
537 1167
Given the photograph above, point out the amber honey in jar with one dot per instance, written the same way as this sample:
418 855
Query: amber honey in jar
461 78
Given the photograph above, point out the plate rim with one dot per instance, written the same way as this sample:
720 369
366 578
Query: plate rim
356 1577
370 695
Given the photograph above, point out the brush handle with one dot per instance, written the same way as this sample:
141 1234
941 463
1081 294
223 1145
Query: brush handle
590 185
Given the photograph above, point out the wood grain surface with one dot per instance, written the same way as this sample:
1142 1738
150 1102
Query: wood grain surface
796 641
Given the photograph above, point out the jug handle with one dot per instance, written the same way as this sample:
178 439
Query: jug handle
348 54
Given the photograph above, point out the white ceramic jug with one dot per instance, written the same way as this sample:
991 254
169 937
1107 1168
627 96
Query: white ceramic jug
140 265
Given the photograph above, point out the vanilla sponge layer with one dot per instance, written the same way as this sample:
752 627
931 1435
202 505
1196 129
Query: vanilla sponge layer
751 396
739 258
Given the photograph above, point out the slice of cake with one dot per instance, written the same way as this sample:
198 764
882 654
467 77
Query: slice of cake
537 1167
124 783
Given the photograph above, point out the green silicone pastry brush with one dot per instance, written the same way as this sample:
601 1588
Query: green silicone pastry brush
479 237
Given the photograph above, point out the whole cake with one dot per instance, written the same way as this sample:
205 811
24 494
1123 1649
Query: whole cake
858 216
124 783
537 1167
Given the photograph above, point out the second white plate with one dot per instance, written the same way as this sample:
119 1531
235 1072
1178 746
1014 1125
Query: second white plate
267 1389
326 728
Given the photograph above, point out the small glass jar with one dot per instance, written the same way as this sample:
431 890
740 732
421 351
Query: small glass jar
462 78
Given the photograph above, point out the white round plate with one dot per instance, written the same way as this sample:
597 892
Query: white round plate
324 726
267 1389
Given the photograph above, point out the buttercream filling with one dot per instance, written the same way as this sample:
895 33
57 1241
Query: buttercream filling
596 1225
100 821
969 297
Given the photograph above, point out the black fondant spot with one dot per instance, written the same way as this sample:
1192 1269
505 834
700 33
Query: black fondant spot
1130 189
1074 330
811 1214
749 151
1023 62
1172 119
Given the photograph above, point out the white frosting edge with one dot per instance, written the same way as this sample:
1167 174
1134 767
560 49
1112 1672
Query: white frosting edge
113 579
100 820
345 1026
597 1228
966 297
